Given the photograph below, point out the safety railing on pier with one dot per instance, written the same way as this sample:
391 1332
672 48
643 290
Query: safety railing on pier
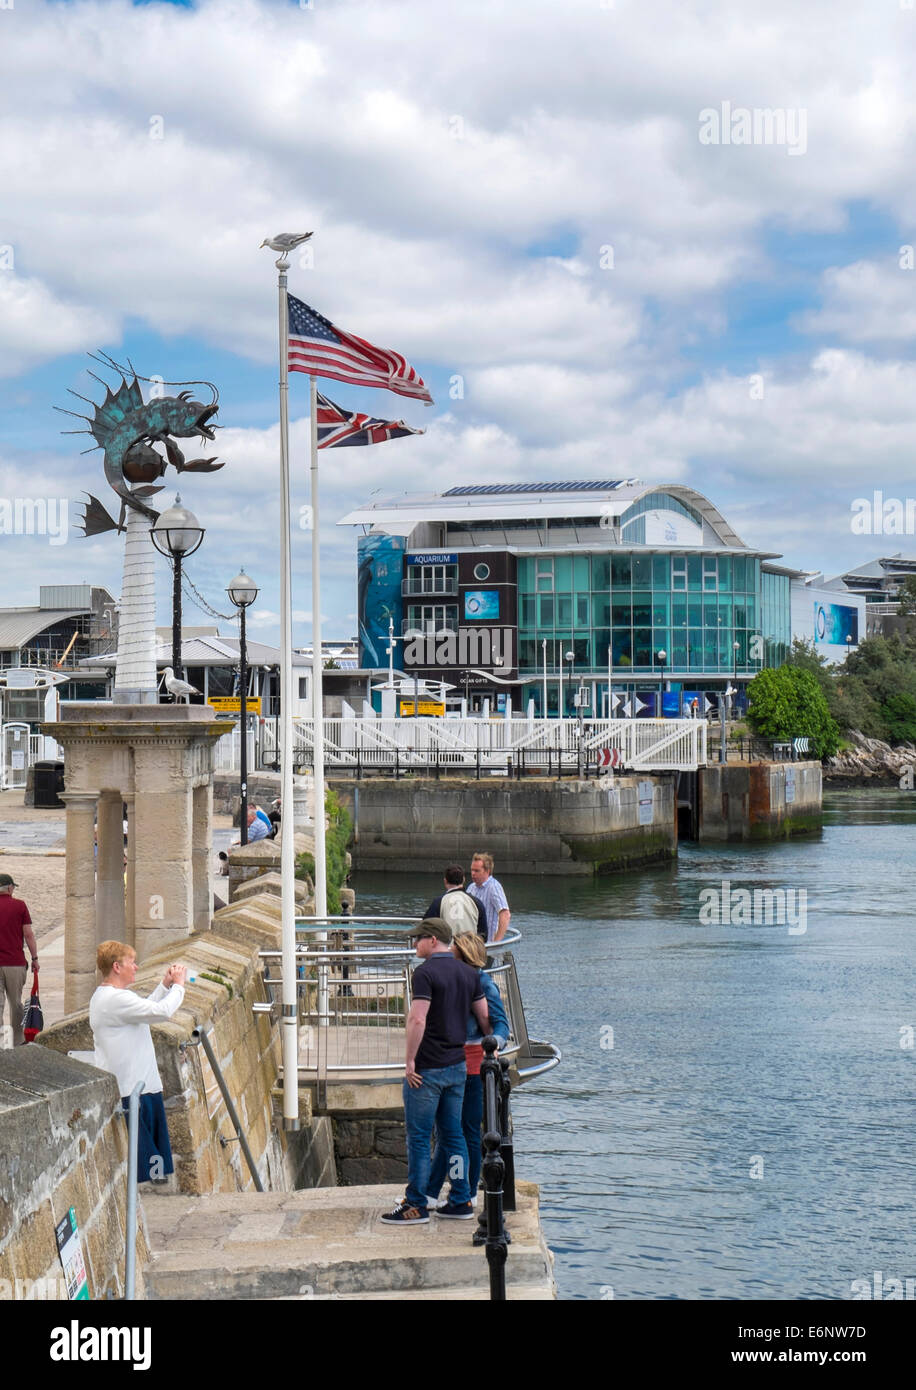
519 746
353 987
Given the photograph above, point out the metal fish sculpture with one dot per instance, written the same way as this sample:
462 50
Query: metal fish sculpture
125 428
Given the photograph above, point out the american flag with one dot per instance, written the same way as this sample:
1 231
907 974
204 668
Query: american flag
317 347
339 428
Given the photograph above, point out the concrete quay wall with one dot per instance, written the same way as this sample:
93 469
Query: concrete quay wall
531 826
759 801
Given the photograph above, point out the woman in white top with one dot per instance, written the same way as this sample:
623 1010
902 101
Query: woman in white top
120 1021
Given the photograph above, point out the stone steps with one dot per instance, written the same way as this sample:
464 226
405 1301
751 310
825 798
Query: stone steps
326 1243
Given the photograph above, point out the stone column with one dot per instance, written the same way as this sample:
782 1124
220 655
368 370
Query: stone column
135 674
163 886
201 855
79 917
130 931
109 896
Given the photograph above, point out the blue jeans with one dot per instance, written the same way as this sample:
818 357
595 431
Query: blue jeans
436 1103
471 1117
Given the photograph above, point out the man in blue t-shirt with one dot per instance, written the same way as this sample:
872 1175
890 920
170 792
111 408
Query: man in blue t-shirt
445 990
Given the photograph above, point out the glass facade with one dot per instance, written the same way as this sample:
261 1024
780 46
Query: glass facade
694 607
775 620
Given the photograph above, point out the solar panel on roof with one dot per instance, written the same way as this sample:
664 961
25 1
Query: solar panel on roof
503 489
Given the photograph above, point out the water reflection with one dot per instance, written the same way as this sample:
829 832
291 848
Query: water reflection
733 1116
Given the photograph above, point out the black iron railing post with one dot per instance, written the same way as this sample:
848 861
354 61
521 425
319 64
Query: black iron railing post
492 1231
506 1146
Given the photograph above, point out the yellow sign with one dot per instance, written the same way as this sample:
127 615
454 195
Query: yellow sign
231 704
433 707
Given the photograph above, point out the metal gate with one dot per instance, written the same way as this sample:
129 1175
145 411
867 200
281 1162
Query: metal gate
14 747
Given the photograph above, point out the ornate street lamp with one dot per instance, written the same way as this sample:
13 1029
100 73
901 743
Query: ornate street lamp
243 592
662 656
176 535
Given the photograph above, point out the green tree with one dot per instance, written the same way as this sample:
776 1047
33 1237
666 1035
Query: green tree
789 703
337 837
899 717
907 597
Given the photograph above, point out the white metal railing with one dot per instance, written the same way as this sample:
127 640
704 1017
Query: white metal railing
227 753
643 744
353 987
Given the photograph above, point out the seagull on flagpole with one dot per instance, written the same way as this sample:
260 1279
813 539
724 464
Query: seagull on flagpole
285 241
176 687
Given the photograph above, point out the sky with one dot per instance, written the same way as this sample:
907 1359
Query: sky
671 241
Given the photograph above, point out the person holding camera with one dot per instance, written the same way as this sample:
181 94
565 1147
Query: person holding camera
120 1020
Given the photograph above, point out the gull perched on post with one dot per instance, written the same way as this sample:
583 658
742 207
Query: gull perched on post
176 687
285 241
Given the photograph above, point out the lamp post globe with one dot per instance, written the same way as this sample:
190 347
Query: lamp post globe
176 534
243 591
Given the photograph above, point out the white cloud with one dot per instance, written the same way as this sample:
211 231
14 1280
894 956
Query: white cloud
35 324
462 172
868 302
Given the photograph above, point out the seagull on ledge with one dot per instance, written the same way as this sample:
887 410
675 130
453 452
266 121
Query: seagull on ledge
176 687
285 241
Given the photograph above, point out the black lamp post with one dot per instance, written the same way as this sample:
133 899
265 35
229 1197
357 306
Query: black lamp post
571 658
662 656
243 592
176 535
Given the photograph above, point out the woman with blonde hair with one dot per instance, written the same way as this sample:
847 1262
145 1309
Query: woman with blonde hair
469 948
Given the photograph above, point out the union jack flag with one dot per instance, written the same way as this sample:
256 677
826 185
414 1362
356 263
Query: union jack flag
317 347
339 428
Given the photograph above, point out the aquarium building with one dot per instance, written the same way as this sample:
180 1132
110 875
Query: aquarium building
614 595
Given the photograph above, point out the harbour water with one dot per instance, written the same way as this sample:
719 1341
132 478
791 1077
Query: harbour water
733 1117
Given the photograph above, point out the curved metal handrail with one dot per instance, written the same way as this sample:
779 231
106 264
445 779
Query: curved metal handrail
357 996
542 1065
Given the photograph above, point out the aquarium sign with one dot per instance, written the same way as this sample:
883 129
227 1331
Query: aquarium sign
433 557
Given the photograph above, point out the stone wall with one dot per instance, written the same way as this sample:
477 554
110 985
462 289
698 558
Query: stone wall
759 801
370 1147
250 863
530 826
263 788
64 1144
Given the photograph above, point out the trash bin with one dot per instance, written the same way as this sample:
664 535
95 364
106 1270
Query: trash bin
49 780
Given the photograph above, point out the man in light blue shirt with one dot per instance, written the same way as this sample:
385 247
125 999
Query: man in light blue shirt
258 829
489 893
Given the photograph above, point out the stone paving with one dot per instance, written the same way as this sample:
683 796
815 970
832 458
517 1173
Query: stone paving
329 1243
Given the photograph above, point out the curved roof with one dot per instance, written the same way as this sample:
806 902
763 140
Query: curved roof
20 625
400 515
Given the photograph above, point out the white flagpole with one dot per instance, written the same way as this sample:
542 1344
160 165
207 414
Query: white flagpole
321 863
289 1023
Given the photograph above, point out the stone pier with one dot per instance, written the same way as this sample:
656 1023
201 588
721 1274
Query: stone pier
157 760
